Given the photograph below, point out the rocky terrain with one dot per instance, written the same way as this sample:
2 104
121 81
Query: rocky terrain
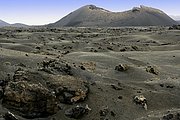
91 15
125 73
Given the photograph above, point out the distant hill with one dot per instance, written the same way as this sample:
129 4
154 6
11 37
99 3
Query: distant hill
2 23
19 25
5 24
91 15
178 21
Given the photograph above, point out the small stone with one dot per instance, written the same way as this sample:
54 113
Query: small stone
152 69
113 114
2 82
168 117
134 47
120 97
162 85
82 67
67 97
104 111
76 112
122 67
116 87
109 48
95 51
21 65
37 47
178 116
169 86
141 100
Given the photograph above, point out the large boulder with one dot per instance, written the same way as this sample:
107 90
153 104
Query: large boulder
29 100
69 89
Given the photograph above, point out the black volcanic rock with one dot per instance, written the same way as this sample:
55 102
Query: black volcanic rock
30 100
91 15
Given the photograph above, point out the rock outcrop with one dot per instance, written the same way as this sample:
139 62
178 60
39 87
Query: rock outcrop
69 89
29 100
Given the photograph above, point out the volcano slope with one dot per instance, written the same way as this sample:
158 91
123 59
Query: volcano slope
90 73
91 16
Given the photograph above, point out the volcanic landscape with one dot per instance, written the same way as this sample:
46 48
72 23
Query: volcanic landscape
90 72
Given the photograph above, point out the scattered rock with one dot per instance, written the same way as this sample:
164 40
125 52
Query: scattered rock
65 52
95 51
91 66
104 111
56 67
172 116
122 67
38 47
113 114
10 116
168 117
82 67
134 48
77 112
162 85
141 100
120 97
20 75
178 116
29 100
116 87
122 50
3 82
46 64
109 48
152 69
174 27
169 86
21 65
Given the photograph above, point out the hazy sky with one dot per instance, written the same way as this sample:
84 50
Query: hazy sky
38 12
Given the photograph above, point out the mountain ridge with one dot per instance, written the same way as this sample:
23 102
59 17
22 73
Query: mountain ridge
5 24
91 15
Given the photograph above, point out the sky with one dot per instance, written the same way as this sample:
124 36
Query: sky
39 12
